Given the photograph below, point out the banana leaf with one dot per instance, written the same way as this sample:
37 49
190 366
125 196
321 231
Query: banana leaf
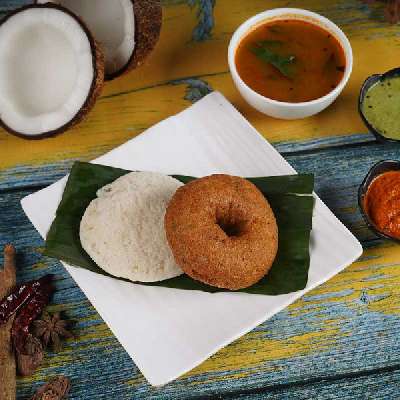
289 196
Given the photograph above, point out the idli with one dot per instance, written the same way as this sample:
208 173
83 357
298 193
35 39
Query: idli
122 230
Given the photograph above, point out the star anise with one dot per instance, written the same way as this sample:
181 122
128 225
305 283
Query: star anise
51 328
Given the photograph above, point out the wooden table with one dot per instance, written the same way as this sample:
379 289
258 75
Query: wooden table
340 340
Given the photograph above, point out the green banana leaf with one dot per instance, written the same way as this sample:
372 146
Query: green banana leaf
289 196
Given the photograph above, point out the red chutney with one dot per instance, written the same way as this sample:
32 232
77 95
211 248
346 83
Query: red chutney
382 203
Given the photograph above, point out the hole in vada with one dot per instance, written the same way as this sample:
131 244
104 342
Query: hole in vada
230 227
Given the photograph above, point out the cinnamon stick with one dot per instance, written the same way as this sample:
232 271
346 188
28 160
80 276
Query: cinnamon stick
7 359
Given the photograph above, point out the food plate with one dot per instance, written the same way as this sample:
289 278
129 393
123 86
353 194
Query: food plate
167 331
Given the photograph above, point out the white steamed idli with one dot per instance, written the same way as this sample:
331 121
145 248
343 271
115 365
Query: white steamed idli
122 230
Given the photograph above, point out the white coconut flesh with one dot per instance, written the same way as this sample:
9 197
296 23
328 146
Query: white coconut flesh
112 23
122 230
46 70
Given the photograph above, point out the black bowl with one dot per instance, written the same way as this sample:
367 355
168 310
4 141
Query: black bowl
371 80
378 169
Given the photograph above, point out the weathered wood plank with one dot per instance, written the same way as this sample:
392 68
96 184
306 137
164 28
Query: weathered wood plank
302 146
24 176
382 386
339 164
148 95
339 171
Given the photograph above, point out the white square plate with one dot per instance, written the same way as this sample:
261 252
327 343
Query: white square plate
167 332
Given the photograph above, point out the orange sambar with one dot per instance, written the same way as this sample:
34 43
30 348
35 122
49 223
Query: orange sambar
318 60
382 203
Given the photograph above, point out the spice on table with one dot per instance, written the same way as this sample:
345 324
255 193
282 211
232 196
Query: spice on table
19 296
7 359
382 203
31 310
30 357
51 328
56 389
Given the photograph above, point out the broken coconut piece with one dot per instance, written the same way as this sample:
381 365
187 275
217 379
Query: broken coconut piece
51 70
128 30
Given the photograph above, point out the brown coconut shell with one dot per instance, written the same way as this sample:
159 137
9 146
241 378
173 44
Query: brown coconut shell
98 74
148 21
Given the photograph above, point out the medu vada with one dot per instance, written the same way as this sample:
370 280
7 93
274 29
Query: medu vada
222 231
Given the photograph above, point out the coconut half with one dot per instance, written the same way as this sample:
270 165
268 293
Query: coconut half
128 30
51 70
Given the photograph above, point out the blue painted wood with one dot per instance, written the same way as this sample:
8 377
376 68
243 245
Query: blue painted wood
28 175
339 163
339 171
9 5
299 146
384 386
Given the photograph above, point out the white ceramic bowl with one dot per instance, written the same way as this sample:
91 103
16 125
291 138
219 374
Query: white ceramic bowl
280 109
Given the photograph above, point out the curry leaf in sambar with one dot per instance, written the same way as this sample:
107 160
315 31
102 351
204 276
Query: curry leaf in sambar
267 52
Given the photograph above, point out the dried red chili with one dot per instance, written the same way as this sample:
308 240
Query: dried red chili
19 296
31 310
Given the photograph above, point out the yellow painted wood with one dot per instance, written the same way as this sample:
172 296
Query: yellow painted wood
143 97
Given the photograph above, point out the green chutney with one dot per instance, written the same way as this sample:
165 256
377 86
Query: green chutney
381 107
